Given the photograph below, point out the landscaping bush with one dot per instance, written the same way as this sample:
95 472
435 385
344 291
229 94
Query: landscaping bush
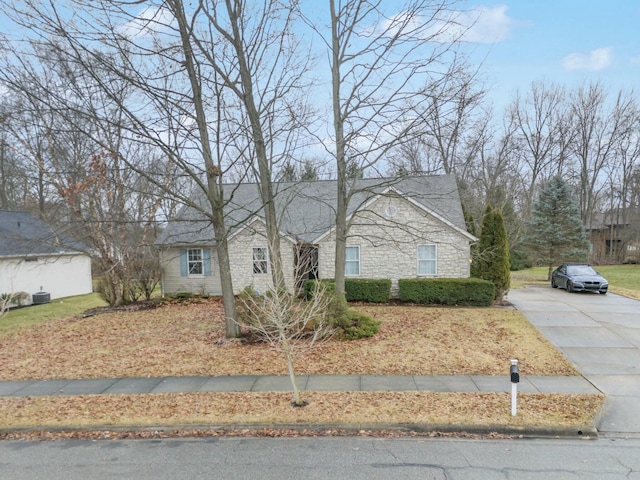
310 285
373 290
17 299
447 291
349 324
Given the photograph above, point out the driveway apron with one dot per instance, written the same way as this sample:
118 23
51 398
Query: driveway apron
600 335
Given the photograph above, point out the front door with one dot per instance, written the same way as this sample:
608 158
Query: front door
306 264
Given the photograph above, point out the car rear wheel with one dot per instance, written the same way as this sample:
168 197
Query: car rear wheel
569 287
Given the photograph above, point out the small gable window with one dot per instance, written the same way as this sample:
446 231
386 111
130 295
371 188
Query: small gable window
260 260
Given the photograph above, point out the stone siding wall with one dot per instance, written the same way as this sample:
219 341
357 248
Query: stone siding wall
388 234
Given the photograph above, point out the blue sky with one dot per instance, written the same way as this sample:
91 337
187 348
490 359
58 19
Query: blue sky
564 41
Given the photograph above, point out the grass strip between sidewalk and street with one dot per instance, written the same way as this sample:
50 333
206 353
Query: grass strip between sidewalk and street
485 409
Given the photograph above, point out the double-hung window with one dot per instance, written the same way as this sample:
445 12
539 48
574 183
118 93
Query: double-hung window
427 260
260 260
352 261
195 262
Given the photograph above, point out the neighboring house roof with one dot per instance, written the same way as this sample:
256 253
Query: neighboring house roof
617 217
307 209
22 234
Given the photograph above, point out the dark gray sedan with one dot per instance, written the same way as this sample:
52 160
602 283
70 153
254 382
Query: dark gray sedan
578 277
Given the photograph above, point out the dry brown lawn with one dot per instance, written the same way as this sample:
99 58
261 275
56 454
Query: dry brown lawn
188 339
371 408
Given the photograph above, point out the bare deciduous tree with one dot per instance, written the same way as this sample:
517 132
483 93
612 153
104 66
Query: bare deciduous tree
376 74
541 120
288 324
447 109
257 57
81 170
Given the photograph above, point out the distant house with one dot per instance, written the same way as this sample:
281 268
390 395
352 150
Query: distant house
399 228
34 258
615 236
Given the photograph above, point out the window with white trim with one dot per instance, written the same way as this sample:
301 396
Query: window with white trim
195 262
427 255
260 260
352 261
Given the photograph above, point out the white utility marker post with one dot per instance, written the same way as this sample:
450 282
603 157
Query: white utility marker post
515 379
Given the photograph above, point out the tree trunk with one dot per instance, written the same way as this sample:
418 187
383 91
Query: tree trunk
341 163
214 193
297 399
264 170
224 266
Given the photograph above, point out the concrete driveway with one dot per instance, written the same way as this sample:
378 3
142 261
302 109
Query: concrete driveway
600 335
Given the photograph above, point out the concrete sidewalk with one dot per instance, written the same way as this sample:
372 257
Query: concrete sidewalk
276 383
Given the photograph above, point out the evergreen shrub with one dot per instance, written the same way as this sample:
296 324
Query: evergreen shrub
309 287
447 291
372 290
350 324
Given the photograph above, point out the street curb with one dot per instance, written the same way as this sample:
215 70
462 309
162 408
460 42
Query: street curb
337 429
598 418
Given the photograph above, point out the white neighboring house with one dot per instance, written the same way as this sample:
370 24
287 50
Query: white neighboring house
34 259
399 228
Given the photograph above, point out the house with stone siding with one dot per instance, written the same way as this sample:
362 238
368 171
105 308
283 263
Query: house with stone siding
407 227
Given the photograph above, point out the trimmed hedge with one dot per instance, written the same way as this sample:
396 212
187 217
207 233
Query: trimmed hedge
310 285
447 291
372 290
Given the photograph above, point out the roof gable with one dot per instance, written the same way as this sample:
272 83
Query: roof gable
395 193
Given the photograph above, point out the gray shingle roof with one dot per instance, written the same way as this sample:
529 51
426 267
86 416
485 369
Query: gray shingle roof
23 234
307 209
621 217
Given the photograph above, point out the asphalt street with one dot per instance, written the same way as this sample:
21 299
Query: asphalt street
354 458
600 335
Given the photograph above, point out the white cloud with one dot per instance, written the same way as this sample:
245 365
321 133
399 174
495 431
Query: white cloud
478 25
149 21
597 59
485 24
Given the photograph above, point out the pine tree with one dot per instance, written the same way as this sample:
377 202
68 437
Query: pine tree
492 262
555 233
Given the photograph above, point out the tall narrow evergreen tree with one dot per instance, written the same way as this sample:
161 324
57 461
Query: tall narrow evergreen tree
473 230
492 259
555 233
